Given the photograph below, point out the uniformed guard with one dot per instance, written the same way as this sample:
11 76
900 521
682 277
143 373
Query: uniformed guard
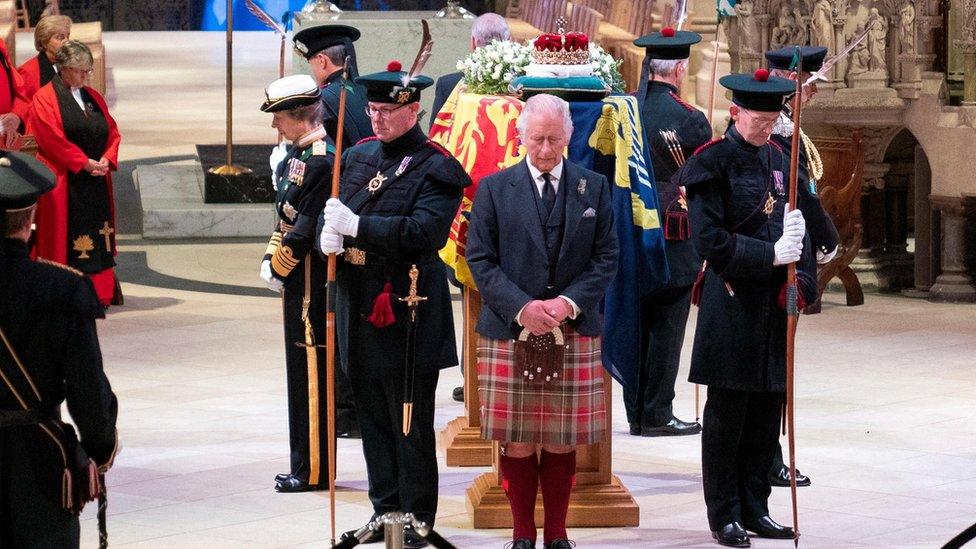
674 130
399 193
823 234
48 354
737 190
292 267
326 47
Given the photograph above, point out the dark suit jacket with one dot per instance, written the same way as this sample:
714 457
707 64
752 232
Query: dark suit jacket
507 255
445 85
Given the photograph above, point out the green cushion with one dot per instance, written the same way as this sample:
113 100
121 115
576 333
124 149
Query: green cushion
573 88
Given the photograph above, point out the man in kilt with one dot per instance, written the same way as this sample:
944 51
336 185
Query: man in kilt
542 250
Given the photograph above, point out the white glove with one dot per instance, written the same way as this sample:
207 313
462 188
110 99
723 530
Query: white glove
277 155
340 219
330 242
794 225
786 251
823 259
268 277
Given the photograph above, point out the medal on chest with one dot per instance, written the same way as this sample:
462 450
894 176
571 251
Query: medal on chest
778 183
770 204
290 212
375 183
296 171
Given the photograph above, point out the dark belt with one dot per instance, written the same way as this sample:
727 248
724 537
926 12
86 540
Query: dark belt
19 418
359 258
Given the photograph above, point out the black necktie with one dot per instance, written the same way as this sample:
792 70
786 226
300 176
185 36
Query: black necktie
548 193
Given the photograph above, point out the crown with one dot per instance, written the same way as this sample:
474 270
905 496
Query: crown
561 48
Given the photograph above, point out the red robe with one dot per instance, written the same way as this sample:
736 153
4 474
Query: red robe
30 72
63 156
18 102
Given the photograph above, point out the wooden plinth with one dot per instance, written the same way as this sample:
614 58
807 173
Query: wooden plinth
597 505
464 446
461 439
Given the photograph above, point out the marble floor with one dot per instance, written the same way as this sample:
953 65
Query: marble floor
886 408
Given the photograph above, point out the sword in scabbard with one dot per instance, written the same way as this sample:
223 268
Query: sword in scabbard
412 300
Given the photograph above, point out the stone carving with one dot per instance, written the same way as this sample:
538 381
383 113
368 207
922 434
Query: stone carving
969 27
746 26
860 59
876 41
822 25
907 34
789 28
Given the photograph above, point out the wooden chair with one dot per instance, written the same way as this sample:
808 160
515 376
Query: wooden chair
90 34
586 20
840 194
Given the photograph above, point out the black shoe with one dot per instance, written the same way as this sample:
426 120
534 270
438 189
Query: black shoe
458 394
635 429
732 535
560 544
673 428
766 527
350 431
281 476
413 540
373 537
521 543
290 484
781 477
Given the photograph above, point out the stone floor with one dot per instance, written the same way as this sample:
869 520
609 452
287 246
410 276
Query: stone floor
886 404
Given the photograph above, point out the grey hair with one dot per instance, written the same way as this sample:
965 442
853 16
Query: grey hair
666 67
489 27
74 54
336 54
543 104
311 114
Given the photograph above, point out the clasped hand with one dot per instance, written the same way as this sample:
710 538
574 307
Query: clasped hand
97 168
540 317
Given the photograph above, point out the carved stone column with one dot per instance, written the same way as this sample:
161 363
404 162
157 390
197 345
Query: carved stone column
954 284
968 51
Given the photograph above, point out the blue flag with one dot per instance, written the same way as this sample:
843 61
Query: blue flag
726 8
608 138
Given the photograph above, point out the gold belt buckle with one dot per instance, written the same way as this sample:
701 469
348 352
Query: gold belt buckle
355 256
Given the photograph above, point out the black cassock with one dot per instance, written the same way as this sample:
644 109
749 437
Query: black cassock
737 193
48 313
664 314
404 222
88 206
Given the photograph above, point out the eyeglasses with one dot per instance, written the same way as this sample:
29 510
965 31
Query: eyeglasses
88 71
382 113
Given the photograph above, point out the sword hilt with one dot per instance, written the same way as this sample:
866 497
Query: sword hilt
412 299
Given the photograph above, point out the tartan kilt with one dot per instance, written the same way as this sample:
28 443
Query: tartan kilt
569 410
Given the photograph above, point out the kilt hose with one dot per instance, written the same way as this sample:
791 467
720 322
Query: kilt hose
569 410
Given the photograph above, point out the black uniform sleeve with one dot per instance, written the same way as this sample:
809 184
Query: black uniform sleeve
426 227
732 254
91 402
300 240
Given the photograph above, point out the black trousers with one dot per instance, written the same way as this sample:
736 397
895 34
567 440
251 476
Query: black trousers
664 316
297 373
402 470
740 431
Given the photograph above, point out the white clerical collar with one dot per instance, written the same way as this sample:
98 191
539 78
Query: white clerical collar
308 138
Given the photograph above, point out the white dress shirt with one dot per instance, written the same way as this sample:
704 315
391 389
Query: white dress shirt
76 93
540 183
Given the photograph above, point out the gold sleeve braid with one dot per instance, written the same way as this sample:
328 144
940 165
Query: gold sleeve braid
283 261
273 244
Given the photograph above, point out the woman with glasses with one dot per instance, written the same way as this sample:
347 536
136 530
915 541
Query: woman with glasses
51 32
79 140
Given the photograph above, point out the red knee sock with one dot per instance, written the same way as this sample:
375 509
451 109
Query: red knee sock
520 479
556 472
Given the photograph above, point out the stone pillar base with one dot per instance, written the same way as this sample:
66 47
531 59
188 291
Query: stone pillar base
953 288
883 273
954 285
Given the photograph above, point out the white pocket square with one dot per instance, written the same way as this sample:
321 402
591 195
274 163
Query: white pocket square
590 212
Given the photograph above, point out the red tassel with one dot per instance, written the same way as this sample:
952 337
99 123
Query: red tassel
382 315
676 225
696 288
801 302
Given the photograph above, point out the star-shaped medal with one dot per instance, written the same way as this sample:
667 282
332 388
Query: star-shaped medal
375 183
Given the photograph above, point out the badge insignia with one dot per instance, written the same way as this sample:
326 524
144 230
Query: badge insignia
403 166
403 96
778 182
770 204
83 244
375 183
581 188
289 211
296 171
319 148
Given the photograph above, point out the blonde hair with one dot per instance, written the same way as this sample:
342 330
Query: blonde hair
47 27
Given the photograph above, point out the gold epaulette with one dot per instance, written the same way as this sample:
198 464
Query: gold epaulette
68 268
320 148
